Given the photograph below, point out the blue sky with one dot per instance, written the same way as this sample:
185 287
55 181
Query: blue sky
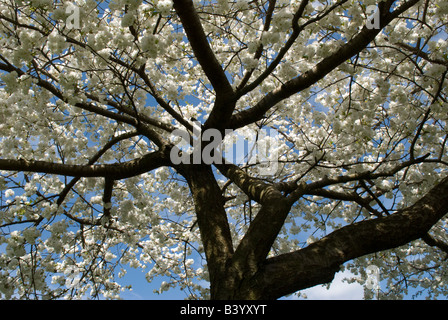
142 290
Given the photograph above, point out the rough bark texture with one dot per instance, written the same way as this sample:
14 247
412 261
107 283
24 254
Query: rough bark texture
212 221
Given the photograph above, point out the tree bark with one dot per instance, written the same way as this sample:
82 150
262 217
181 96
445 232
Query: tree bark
212 222
116 171
317 263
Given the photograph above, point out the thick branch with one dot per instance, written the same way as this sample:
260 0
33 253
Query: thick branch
201 48
254 188
312 76
434 242
117 171
107 196
263 230
225 101
317 263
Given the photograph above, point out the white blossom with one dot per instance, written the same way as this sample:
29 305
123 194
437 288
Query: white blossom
128 19
56 42
164 7
9 193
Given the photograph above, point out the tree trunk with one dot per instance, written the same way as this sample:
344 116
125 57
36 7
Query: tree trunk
212 222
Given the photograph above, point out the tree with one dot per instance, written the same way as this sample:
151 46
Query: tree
353 95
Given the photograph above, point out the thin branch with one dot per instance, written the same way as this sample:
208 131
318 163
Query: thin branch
378 201
294 35
335 195
144 129
422 54
366 175
259 50
94 159
427 113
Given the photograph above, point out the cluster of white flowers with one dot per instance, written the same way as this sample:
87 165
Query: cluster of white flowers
150 44
10 81
249 63
270 37
56 42
288 70
282 20
242 4
41 3
128 19
172 92
31 234
164 7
